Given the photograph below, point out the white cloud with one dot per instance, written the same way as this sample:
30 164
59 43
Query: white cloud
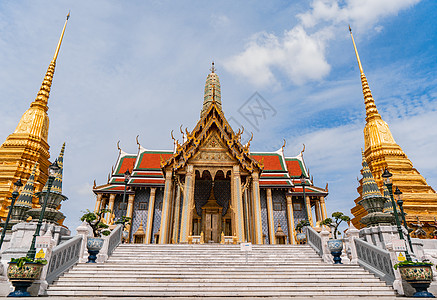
301 55
297 54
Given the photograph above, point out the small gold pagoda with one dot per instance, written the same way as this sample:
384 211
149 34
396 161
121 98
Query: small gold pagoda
28 145
381 151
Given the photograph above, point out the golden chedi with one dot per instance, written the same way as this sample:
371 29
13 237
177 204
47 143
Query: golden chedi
381 151
28 145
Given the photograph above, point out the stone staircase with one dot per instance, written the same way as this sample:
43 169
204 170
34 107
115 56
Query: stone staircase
217 271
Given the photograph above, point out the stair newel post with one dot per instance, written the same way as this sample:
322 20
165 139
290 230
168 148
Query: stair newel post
397 283
352 234
326 255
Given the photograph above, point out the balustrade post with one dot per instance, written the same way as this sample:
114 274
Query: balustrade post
85 231
353 234
326 254
397 283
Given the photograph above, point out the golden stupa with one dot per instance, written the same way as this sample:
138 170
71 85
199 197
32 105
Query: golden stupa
28 143
381 151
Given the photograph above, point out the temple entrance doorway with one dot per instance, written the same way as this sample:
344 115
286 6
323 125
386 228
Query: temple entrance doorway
212 199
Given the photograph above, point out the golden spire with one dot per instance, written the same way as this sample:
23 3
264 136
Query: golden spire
43 94
371 110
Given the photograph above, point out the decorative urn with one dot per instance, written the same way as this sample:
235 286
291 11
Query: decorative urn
419 276
23 276
94 244
336 246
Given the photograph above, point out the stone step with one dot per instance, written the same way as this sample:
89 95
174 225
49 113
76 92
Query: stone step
217 271
277 279
156 282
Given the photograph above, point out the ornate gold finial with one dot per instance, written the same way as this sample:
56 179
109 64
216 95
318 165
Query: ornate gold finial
212 67
118 146
60 39
356 51
371 110
44 92
283 146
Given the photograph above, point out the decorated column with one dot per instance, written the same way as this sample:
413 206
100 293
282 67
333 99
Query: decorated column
98 202
150 211
187 206
310 214
257 208
238 204
323 207
290 219
270 220
166 204
176 215
109 215
130 211
317 210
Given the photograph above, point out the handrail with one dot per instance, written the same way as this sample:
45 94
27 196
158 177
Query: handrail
63 257
114 239
375 260
314 240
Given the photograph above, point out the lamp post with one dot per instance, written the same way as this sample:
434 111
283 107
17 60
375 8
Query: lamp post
53 169
398 196
302 182
17 186
389 184
126 180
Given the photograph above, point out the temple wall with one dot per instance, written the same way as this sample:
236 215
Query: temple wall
278 197
265 226
140 215
298 215
159 196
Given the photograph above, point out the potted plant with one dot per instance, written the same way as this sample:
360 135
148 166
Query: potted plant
95 243
418 275
335 245
22 272
301 236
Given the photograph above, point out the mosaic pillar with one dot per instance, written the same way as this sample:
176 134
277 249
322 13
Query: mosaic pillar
317 211
111 208
166 205
310 214
238 204
323 205
130 212
270 220
150 211
257 208
188 205
290 219
98 202
246 216
176 215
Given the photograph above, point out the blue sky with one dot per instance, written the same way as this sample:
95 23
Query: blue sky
139 68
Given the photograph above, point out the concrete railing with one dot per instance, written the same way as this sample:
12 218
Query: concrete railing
63 257
319 242
314 240
111 242
375 260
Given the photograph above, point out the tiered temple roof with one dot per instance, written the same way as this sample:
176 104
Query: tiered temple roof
279 171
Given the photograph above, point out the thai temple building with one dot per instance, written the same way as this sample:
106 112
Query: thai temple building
27 145
211 188
380 152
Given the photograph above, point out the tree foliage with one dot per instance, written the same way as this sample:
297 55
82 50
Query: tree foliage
338 218
95 220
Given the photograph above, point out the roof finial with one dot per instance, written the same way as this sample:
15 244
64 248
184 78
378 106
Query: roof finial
371 110
356 51
60 39
212 67
43 94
